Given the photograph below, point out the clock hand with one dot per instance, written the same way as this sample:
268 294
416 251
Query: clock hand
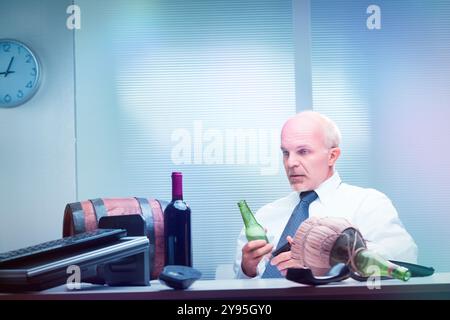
6 73
9 67
10 63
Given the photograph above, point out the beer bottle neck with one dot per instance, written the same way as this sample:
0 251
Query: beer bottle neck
247 215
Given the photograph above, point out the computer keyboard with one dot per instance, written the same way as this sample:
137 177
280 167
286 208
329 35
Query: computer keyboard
67 244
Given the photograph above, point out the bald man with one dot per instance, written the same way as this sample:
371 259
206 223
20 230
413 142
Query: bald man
310 146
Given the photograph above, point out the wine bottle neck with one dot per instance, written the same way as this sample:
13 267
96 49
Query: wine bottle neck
177 186
177 197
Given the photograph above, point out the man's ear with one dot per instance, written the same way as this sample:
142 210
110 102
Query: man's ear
334 155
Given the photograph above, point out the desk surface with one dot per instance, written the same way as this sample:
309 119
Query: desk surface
433 287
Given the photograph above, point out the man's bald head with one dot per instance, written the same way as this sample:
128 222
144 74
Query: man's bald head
315 121
310 146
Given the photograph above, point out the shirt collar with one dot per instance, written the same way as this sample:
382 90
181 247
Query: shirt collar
326 189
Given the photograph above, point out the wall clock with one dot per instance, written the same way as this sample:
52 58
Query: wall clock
19 73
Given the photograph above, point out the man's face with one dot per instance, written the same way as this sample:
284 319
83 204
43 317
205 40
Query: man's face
307 160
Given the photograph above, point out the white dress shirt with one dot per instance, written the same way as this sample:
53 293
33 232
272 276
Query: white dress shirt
367 209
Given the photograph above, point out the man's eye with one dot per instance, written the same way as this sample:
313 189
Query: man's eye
285 153
303 151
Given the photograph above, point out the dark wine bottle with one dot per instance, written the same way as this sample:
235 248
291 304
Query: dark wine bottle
177 226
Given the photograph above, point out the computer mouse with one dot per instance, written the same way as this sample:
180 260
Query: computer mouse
179 277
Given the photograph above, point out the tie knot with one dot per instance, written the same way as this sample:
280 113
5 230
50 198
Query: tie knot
308 196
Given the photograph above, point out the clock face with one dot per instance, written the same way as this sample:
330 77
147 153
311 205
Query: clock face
19 73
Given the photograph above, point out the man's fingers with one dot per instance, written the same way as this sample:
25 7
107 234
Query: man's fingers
281 257
255 244
257 248
290 239
285 265
292 263
262 251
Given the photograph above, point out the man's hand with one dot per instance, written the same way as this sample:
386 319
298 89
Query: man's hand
284 260
252 253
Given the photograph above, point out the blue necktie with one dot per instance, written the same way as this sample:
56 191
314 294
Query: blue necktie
300 214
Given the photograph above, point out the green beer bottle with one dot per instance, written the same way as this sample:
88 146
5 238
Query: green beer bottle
366 260
253 230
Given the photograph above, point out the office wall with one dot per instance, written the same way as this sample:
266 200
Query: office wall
37 139
389 90
146 72
201 87
149 72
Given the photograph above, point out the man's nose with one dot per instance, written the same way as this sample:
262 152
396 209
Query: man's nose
293 161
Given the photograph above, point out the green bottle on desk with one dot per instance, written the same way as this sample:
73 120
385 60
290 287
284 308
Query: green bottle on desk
253 230
350 248
366 259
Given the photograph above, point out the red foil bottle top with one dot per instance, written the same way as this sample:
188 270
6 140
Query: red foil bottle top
177 186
